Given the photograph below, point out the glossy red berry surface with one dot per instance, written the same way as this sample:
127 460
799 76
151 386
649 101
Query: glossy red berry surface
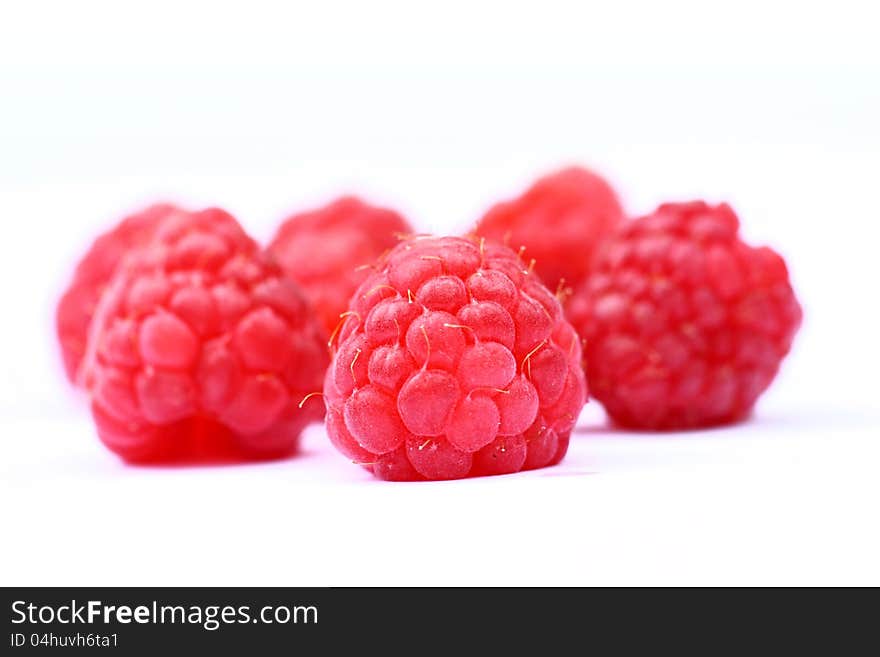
327 250
202 349
92 274
453 361
685 324
560 220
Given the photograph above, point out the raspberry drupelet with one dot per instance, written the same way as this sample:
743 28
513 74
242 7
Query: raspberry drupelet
453 361
685 325
559 222
92 274
201 349
326 250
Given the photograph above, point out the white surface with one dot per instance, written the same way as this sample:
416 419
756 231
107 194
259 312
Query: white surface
771 106
790 499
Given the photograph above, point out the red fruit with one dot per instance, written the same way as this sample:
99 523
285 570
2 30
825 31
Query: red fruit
685 325
201 349
559 220
454 361
92 274
327 250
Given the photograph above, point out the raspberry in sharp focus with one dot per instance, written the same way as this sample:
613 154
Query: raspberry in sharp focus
560 220
92 274
324 250
201 349
454 361
685 325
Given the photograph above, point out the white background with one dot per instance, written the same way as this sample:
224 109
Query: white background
267 108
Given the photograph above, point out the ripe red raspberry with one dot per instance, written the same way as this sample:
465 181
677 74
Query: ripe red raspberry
559 220
323 250
685 325
453 361
92 274
201 349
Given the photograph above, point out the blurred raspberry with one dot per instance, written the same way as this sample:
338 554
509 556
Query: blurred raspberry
685 325
92 274
454 361
201 349
559 220
326 250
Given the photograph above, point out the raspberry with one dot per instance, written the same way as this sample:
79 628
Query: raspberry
685 325
453 361
201 349
559 221
323 250
92 274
